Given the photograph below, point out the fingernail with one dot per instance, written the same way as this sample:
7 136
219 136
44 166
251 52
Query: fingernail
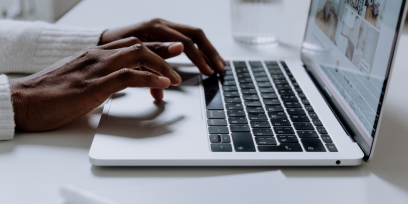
175 48
165 82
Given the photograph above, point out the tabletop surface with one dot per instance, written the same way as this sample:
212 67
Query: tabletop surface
34 165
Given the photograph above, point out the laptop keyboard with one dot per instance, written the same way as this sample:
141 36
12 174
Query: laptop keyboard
259 106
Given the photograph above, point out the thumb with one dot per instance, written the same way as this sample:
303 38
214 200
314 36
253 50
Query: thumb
165 49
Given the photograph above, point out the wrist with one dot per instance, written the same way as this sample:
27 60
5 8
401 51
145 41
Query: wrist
18 103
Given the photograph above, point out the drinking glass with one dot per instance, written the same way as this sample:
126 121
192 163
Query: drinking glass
256 21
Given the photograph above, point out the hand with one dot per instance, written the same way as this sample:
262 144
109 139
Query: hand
75 85
163 31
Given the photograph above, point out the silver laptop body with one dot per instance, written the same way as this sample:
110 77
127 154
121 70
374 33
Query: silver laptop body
323 109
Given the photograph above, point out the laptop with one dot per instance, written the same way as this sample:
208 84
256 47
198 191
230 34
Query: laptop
323 109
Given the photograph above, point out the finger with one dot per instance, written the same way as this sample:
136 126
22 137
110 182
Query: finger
157 94
165 49
121 43
189 47
198 36
139 55
124 78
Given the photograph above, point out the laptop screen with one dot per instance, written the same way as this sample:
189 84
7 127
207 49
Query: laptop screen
348 48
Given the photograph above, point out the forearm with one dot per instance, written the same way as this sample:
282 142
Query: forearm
29 47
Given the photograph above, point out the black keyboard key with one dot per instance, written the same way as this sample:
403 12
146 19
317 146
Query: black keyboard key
262 79
245 80
231 94
317 122
232 100
299 90
286 92
292 105
274 108
229 83
285 86
331 147
302 96
289 98
214 138
253 103
264 84
247 86
225 138
295 111
278 76
269 95
257 116
239 128
241 70
259 74
255 63
313 115
326 139
295 84
239 64
284 147
260 124
280 122
228 77
321 130
236 113
299 118
262 131
307 134
265 141
313 145
273 101
309 108
221 147
284 130
214 114
217 122
275 71
287 138
243 142
243 75
293 80
277 115
249 91
218 130
212 93
303 126
234 106
271 63
229 88
238 120
255 110
250 97
305 102
258 69
280 81
266 90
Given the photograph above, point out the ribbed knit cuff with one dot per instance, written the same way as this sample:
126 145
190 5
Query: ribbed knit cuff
6 110
58 42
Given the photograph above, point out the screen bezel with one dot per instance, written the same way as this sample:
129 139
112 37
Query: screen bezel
335 105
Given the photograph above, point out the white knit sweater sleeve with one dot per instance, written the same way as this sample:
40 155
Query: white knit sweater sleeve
29 47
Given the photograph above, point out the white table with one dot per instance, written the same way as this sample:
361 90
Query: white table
34 165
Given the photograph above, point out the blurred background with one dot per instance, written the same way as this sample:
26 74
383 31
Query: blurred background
44 10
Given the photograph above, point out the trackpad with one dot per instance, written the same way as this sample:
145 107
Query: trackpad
181 102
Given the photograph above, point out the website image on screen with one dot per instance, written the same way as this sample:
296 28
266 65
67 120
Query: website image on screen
355 39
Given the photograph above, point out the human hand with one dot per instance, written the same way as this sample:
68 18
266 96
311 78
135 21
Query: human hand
75 85
163 31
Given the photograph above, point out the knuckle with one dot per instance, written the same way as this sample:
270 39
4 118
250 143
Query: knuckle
138 48
198 31
133 39
188 41
124 75
156 21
